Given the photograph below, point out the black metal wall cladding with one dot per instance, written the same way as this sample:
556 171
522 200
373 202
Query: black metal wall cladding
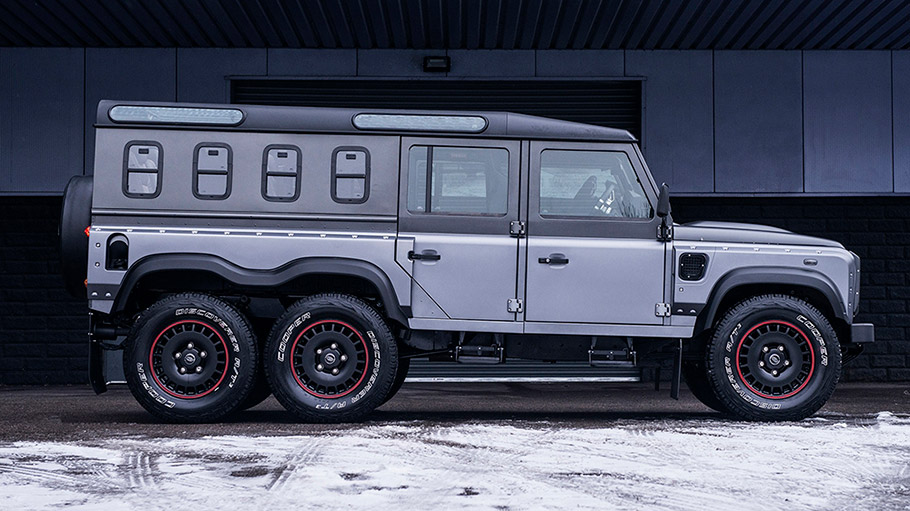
611 103
486 24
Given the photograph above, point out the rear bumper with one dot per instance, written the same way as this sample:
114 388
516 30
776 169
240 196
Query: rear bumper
862 333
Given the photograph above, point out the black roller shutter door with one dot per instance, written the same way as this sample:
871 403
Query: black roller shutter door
612 103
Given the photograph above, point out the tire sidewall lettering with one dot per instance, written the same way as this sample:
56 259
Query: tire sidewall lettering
288 333
144 379
819 339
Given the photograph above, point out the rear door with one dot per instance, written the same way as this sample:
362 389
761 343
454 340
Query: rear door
457 200
593 253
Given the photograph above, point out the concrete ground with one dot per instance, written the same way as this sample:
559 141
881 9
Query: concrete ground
481 446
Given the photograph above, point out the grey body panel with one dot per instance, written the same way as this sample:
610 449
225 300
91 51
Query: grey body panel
834 267
176 187
473 279
746 233
252 249
614 281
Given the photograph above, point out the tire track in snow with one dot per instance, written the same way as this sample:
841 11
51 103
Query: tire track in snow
294 468
141 470
58 478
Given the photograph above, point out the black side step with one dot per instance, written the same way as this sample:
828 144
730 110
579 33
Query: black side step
480 354
612 358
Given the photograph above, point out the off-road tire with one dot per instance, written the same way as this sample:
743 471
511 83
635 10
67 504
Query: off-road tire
303 338
404 364
791 328
696 377
172 325
260 391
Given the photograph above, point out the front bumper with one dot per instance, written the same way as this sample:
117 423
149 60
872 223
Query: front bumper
862 333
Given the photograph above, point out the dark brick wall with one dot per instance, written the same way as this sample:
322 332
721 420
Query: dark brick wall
42 328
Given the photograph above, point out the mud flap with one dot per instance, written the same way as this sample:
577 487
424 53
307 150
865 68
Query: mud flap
677 371
95 359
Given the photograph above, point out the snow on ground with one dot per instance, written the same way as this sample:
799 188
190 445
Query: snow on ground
832 462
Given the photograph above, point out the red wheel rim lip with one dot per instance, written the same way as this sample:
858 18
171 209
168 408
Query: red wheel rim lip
366 354
227 358
811 359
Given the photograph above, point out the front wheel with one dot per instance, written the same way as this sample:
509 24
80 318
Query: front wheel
773 358
331 358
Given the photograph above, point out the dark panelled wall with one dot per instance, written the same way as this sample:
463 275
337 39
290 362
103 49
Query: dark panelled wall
42 329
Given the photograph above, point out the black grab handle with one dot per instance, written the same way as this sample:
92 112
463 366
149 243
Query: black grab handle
553 260
423 256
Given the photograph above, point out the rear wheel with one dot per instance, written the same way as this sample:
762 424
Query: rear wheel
190 358
773 357
260 392
331 358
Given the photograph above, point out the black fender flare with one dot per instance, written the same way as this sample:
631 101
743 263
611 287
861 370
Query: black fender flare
262 279
796 277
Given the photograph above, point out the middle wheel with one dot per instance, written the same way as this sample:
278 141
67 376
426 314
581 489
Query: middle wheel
331 358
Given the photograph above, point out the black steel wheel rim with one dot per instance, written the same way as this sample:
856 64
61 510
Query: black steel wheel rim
189 359
775 359
329 359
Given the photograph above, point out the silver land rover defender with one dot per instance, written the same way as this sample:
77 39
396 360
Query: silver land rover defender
235 251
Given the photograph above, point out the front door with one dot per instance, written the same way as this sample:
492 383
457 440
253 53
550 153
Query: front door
593 253
456 203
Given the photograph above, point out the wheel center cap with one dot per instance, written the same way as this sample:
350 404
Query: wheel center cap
774 359
330 358
189 358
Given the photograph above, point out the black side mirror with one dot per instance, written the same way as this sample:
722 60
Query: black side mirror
663 201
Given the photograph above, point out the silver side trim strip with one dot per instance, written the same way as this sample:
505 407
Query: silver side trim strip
243 215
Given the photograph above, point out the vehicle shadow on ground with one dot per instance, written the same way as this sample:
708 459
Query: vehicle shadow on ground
379 417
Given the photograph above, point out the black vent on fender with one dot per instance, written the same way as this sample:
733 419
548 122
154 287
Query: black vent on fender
692 266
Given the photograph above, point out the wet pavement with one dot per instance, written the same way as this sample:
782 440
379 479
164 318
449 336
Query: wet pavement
441 446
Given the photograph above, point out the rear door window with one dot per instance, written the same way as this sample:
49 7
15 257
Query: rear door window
458 180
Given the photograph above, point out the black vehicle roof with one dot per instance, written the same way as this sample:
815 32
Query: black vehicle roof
340 120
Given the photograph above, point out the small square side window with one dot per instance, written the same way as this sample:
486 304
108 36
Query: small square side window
142 163
350 175
212 171
281 168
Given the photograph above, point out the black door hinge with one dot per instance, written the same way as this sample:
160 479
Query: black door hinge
517 228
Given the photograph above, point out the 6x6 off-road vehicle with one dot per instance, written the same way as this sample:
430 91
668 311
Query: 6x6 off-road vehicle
233 251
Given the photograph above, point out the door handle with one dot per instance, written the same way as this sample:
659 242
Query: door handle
553 259
423 256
